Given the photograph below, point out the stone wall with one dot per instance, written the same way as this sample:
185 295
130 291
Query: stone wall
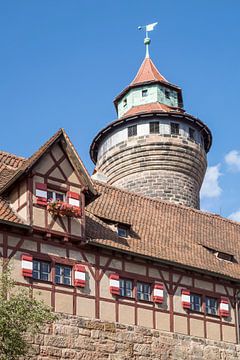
79 338
166 167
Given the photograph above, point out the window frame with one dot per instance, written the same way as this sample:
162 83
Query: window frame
192 133
40 271
174 125
132 131
55 193
123 229
153 125
123 289
193 305
143 293
62 275
211 307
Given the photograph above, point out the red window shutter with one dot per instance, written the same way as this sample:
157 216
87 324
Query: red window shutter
73 198
158 293
79 275
185 299
114 284
224 307
41 193
27 265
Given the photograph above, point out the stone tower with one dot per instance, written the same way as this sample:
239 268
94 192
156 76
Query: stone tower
154 148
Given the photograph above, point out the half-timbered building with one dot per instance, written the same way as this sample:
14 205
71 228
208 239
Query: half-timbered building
128 245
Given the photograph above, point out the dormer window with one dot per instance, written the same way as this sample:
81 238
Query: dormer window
124 102
122 231
225 256
144 93
167 93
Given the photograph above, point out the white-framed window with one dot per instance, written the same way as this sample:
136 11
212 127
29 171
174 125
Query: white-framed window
63 274
196 302
41 270
211 305
132 130
143 291
154 127
55 196
126 287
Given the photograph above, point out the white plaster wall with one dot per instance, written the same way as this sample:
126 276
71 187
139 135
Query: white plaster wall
121 134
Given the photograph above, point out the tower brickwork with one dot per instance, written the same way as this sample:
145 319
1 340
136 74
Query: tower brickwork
154 148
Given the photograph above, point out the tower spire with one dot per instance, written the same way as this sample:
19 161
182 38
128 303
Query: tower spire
147 40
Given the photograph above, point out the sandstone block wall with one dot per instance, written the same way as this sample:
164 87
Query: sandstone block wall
80 338
165 167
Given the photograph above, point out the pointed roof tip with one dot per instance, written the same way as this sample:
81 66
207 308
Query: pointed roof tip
148 72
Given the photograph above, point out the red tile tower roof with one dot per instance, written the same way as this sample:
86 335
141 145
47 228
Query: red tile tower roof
147 72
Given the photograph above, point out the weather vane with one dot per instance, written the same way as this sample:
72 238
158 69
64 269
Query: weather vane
147 40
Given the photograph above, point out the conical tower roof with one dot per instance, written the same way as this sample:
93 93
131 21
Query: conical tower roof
148 72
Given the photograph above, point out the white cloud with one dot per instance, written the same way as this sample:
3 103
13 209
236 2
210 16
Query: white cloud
235 216
232 159
211 187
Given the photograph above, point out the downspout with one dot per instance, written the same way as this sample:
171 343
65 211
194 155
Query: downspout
237 315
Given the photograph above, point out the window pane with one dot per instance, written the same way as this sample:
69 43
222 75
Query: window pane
211 306
67 281
143 291
154 127
36 265
58 270
50 195
35 274
174 129
196 302
58 279
132 130
59 196
67 271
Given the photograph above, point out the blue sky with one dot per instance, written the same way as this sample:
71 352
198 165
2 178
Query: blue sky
63 61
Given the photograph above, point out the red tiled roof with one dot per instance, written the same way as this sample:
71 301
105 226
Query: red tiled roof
148 108
148 72
164 231
8 214
10 160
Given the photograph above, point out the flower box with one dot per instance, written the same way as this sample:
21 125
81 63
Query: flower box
61 208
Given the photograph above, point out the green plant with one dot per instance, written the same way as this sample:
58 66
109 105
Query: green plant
20 313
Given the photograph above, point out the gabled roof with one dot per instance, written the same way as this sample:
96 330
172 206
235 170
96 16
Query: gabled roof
12 175
161 230
148 72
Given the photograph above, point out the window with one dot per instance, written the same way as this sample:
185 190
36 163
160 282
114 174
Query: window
125 287
154 127
144 93
195 302
167 93
143 291
124 102
211 306
174 128
132 130
225 256
123 232
191 133
63 274
41 270
55 196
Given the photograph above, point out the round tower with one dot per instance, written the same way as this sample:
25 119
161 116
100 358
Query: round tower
154 148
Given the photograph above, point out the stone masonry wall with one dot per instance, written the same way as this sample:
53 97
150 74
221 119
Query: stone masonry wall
165 167
79 338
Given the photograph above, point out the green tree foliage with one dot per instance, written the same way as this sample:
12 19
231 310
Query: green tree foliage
20 313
